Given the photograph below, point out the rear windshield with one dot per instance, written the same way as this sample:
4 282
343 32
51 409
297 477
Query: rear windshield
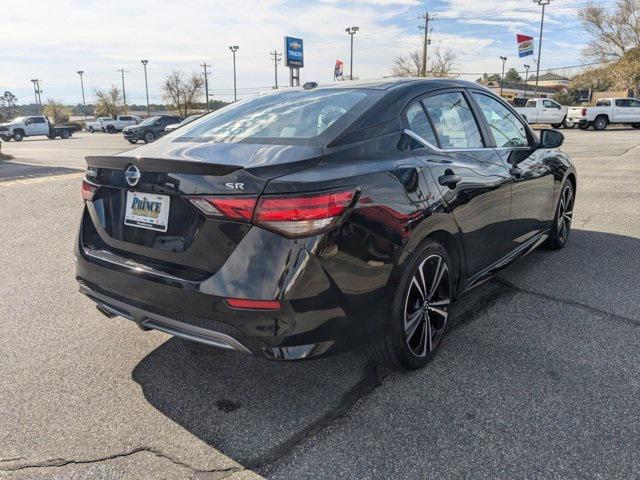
288 117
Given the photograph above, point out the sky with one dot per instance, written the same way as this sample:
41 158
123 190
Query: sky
53 39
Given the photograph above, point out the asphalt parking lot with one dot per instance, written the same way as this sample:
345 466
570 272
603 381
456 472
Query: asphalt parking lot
537 378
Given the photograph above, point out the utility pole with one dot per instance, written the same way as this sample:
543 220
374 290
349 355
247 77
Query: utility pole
526 79
276 59
543 4
146 85
84 103
234 49
351 31
36 92
206 83
504 60
425 43
124 94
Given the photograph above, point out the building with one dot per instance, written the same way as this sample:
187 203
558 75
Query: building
513 90
551 80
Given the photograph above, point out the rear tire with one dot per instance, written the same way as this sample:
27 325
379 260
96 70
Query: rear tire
148 137
64 134
635 125
600 123
419 311
569 125
563 218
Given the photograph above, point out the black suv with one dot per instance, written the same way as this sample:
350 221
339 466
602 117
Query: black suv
309 221
150 129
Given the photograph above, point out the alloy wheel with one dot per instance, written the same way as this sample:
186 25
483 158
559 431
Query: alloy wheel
565 213
426 307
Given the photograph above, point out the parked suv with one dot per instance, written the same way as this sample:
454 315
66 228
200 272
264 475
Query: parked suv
309 221
150 129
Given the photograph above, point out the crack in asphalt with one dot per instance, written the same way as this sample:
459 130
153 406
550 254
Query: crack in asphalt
61 462
615 316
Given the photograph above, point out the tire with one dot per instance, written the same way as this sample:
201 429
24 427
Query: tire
563 218
557 125
91 129
600 123
416 327
635 125
583 126
131 141
148 137
111 129
51 137
64 134
568 125
18 136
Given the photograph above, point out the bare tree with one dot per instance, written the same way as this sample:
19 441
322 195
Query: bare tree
56 111
183 92
109 103
443 64
614 32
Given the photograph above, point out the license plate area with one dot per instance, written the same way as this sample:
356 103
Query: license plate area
147 210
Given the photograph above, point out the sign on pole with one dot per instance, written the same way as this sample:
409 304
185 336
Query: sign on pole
525 45
338 70
294 59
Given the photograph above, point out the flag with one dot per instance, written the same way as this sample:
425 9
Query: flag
337 73
525 45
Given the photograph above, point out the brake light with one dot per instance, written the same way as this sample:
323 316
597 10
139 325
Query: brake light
88 190
584 112
301 216
244 304
234 208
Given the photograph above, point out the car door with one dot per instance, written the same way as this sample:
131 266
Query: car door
553 111
471 177
621 111
531 174
634 110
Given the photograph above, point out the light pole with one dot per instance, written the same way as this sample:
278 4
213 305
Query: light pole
351 31
504 60
84 103
526 80
543 4
234 49
124 93
146 85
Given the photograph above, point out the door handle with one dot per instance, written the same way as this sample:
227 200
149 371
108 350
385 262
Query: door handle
449 179
516 172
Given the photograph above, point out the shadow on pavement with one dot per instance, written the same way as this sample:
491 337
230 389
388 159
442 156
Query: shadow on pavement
12 170
517 370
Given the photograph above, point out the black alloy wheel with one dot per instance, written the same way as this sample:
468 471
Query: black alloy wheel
149 137
564 217
420 311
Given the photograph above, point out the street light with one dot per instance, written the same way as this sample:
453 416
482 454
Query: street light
526 79
351 31
234 49
84 103
543 4
146 85
504 60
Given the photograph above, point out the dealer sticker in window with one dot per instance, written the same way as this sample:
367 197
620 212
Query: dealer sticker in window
147 210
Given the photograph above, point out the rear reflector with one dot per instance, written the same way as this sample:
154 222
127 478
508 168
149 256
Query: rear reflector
253 304
291 215
584 112
88 190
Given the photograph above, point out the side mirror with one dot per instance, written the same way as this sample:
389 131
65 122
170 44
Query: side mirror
551 138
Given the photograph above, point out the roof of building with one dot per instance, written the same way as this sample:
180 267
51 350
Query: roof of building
517 86
550 77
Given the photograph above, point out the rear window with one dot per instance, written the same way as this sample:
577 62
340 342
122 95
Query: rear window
282 117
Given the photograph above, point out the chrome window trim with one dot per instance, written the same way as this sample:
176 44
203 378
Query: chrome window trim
431 146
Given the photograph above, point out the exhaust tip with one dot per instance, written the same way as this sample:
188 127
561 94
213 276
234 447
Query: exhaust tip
105 311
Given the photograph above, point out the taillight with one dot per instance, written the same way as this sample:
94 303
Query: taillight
584 112
303 215
88 190
234 208
245 304
290 215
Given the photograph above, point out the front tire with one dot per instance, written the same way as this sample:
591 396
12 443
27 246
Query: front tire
563 218
18 136
149 137
420 310
91 129
133 142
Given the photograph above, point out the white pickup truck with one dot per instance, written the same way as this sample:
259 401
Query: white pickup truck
37 125
111 125
607 111
545 111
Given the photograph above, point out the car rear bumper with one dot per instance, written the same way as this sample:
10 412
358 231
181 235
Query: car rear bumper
578 120
315 317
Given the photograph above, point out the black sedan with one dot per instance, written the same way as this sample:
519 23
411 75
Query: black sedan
314 220
149 129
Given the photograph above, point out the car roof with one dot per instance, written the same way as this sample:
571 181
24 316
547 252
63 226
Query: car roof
399 83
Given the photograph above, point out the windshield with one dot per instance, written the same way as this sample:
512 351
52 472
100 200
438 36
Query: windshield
189 119
18 120
149 121
292 115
